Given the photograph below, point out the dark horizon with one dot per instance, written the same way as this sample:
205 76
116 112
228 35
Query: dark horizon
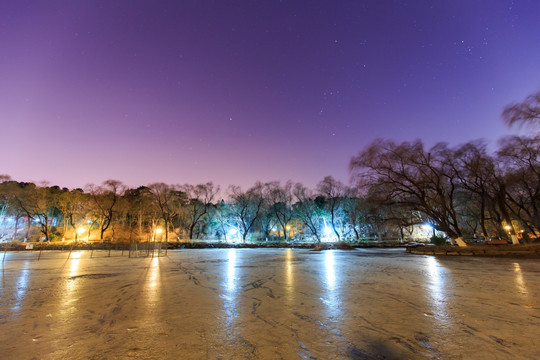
238 92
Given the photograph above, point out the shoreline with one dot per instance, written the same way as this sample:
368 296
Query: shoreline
504 251
529 251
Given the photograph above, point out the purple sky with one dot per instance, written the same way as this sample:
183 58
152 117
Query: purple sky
239 91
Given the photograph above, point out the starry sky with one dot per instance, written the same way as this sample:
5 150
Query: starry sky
239 91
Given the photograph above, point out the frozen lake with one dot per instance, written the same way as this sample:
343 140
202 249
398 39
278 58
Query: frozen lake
268 304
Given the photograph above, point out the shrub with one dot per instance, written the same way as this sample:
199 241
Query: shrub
438 240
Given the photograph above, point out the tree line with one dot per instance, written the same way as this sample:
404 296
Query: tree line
464 191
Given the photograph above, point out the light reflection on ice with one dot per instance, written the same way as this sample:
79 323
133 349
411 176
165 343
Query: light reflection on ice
75 259
289 274
69 296
436 288
332 296
330 270
520 283
231 270
152 281
22 286
230 299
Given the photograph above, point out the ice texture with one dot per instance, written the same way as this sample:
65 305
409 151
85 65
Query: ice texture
268 304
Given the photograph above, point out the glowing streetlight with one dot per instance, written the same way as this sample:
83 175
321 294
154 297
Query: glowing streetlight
233 234
158 231
327 231
80 231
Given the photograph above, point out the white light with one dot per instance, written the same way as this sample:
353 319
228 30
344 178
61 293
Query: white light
327 231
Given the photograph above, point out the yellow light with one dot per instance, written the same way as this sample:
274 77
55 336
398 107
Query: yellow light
508 227
80 230
159 231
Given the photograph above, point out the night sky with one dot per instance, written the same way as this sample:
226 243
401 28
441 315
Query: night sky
239 91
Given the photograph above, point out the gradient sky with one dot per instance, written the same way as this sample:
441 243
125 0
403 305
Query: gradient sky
239 91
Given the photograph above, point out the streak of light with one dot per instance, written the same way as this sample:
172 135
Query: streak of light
289 273
22 286
330 268
436 291
520 283
152 282
331 297
231 270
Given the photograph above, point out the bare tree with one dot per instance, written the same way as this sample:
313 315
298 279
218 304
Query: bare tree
141 212
280 204
334 193
521 159
39 204
309 210
525 112
413 177
105 199
169 201
74 207
199 200
246 207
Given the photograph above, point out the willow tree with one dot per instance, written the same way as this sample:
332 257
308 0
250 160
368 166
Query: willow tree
413 177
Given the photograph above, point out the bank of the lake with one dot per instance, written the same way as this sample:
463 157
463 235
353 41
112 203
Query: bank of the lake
520 251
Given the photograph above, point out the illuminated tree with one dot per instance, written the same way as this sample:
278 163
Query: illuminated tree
418 179
141 212
280 204
74 206
39 204
199 199
169 202
105 200
309 210
334 193
521 159
245 207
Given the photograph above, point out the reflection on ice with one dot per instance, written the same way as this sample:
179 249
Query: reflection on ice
520 283
436 286
332 298
289 276
21 287
330 270
230 298
231 270
69 296
73 270
152 281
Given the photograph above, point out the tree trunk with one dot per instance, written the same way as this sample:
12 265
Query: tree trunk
28 225
16 228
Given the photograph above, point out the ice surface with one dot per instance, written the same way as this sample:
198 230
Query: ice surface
268 304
